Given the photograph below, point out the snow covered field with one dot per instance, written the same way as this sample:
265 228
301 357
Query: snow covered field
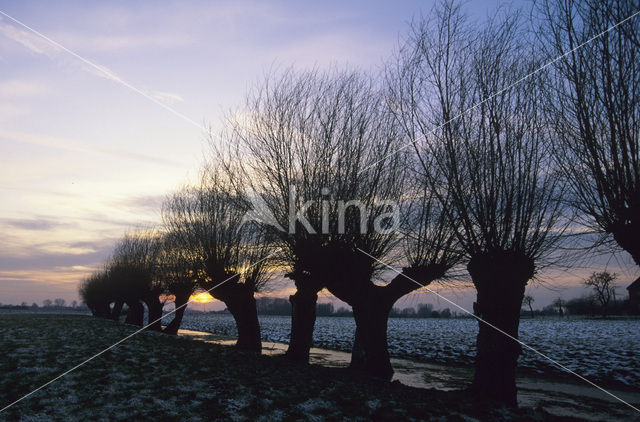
601 350
152 376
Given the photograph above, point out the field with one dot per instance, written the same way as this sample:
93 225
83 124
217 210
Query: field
605 351
152 376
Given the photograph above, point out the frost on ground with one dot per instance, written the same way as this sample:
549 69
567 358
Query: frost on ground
602 350
158 377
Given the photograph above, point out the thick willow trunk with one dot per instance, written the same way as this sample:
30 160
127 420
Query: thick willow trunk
180 304
358 356
500 279
154 307
117 310
241 303
303 319
243 309
135 314
371 306
371 318
101 310
628 238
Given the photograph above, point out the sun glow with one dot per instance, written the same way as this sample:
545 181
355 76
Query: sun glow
203 297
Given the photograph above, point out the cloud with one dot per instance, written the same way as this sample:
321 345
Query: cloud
31 224
28 39
8 111
52 256
18 88
144 202
76 146
120 43
166 97
65 52
13 92
35 286
38 44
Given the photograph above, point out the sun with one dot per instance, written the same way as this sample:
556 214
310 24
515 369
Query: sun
203 297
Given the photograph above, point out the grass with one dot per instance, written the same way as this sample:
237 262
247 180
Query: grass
153 376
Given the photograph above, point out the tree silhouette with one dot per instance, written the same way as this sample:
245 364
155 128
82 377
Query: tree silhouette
178 275
316 150
604 289
228 256
559 303
132 272
97 293
528 300
595 111
485 152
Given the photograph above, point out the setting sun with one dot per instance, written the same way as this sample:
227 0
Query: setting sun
203 297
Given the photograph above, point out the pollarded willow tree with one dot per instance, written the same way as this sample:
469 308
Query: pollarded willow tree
316 149
97 293
129 277
429 250
304 139
132 275
230 258
177 272
596 110
486 153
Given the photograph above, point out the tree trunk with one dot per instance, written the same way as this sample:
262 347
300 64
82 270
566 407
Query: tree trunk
500 279
154 306
371 306
102 310
173 327
240 302
117 310
243 309
135 314
371 317
628 237
358 357
303 319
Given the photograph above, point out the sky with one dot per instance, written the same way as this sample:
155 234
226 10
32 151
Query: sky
107 115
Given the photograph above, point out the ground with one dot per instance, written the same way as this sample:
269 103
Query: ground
152 376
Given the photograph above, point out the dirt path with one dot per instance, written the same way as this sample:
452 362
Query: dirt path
562 397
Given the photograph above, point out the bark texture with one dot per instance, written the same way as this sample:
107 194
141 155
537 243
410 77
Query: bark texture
241 303
173 327
135 314
154 308
500 279
117 310
303 319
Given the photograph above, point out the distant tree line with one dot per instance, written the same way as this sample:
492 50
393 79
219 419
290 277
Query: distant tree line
586 305
602 301
280 306
58 303
467 152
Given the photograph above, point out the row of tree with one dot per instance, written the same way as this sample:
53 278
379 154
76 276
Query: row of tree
466 151
47 303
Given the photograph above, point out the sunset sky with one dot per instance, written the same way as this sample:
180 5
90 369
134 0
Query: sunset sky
83 157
